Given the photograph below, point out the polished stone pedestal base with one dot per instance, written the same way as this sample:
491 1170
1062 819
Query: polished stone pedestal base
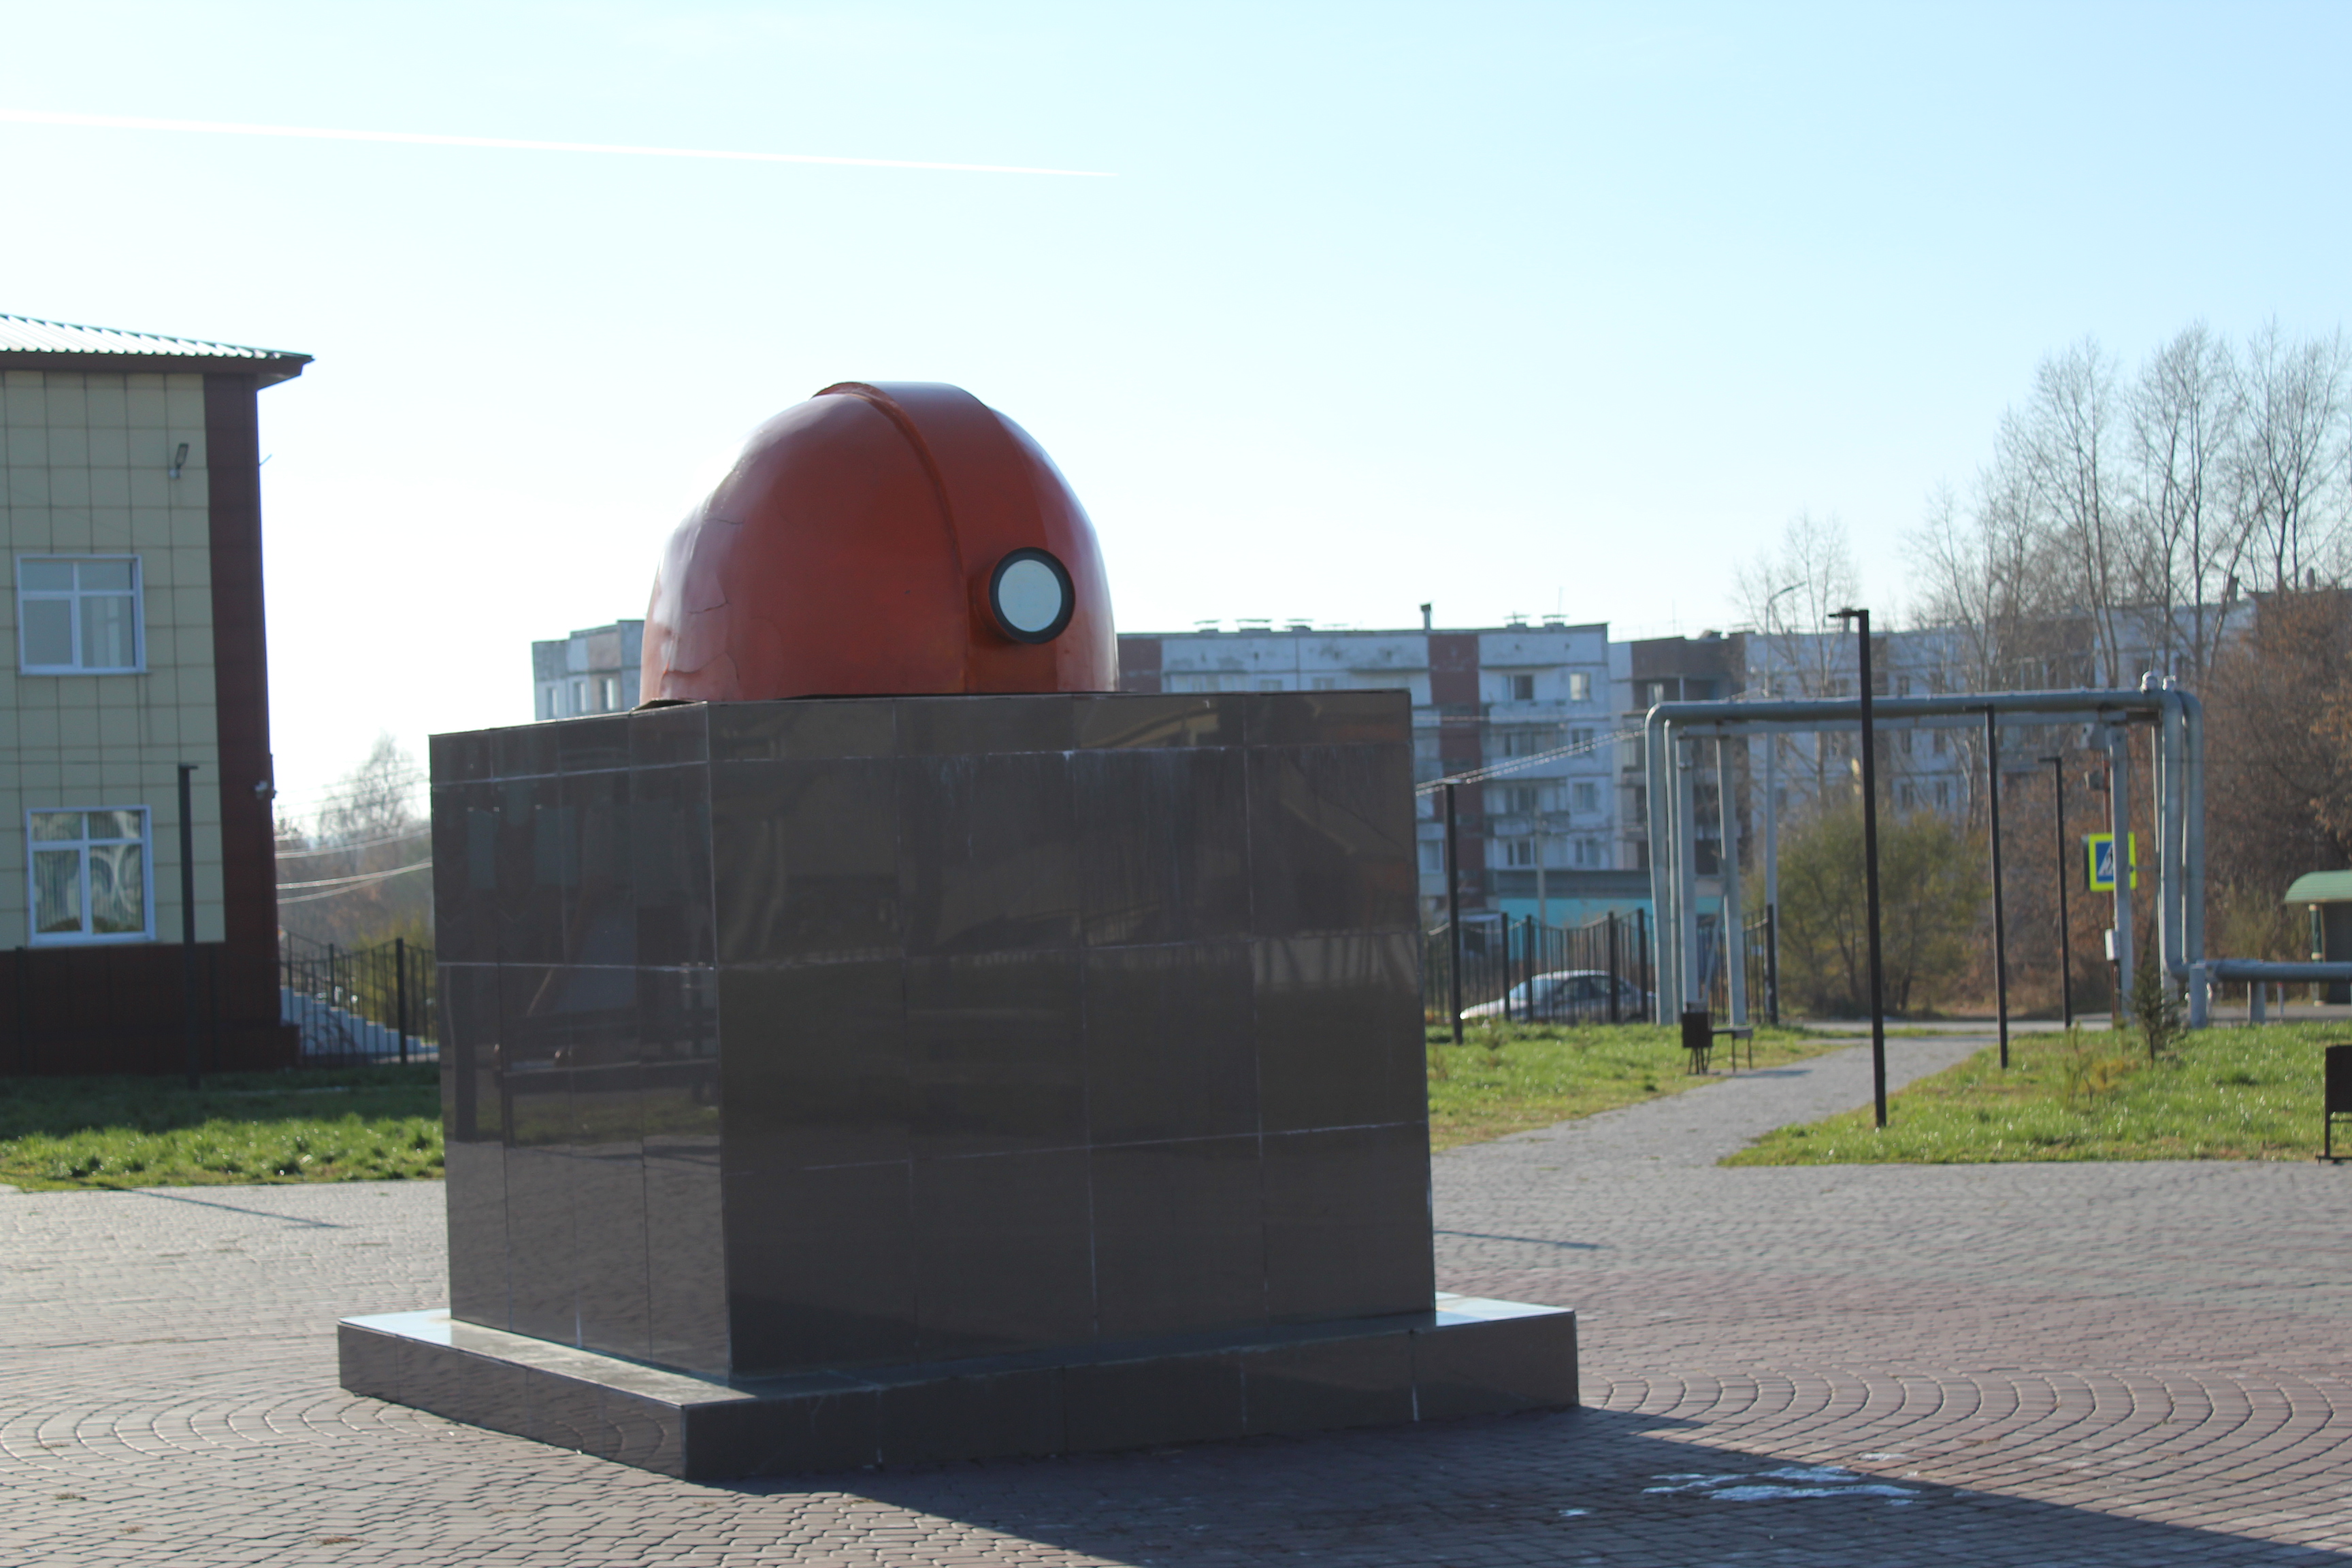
1467 1357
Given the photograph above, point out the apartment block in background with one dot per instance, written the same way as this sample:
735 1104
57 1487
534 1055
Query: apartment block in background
133 509
1709 668
594 672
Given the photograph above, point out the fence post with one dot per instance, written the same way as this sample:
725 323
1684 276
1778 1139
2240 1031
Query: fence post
1642 946
1533 967
1454 911
1616 1008
399 994
1772 964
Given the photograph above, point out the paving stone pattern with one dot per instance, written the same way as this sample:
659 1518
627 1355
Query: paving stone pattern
2044 1364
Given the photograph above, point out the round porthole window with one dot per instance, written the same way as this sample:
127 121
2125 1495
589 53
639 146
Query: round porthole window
1030 594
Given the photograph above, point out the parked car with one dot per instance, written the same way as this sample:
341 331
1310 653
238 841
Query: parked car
1571 996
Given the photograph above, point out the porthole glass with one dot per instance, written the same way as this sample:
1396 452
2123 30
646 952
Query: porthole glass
1030 594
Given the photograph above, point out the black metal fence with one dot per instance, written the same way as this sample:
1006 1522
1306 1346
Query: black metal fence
355 1004
1763 975
1522 971
1519 971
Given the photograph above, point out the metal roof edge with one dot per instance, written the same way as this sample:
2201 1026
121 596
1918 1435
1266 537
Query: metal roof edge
30 342
2320 888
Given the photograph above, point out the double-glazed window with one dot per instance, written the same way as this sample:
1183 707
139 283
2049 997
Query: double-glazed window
88 874
78 614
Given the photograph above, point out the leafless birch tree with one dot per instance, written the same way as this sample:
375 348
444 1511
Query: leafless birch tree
2293 457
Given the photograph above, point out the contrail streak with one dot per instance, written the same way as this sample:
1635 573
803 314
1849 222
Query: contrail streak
428 138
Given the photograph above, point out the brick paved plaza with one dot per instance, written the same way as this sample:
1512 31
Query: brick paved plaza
2060 1364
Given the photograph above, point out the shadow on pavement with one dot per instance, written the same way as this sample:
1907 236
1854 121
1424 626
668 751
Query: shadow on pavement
1577 1487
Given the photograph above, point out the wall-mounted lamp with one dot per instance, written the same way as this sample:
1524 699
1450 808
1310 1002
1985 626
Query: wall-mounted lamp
179 459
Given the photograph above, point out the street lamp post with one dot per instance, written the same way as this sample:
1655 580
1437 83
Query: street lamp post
1861 618
1772 834
1999 923
1454 911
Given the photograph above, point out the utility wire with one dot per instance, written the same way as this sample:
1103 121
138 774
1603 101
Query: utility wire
1517 765
338 884
412 834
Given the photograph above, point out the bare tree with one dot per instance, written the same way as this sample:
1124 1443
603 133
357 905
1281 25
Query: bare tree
1974 575
1786 594
2292 462
2189 541
2062 444
354 878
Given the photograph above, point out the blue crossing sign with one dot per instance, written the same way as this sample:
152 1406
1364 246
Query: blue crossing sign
2099 860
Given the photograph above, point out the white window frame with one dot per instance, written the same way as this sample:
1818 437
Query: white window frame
74 596
86 938
1579 686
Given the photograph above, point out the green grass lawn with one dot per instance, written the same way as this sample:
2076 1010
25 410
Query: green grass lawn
2223 1094
2230 1094
1509 1077
357 1124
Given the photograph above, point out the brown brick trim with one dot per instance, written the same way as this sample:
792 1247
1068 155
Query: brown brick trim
240 675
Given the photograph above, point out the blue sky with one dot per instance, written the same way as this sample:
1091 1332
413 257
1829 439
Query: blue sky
1508 308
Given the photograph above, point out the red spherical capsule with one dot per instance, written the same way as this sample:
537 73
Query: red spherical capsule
882 539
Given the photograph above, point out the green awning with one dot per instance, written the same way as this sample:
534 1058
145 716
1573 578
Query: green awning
2321 887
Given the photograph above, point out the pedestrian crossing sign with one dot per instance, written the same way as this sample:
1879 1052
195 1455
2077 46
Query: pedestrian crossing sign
2099 860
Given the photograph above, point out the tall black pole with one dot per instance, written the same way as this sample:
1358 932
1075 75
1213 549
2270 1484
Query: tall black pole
1999 925
188 923
2066 959
1870 870
1453 910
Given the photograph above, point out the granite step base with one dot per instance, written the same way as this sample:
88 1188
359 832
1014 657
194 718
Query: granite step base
1466 1356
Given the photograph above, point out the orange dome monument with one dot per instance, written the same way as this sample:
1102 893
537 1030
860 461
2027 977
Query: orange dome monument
901 539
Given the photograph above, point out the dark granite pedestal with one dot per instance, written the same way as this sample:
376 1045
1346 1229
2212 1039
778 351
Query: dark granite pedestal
1044 1070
